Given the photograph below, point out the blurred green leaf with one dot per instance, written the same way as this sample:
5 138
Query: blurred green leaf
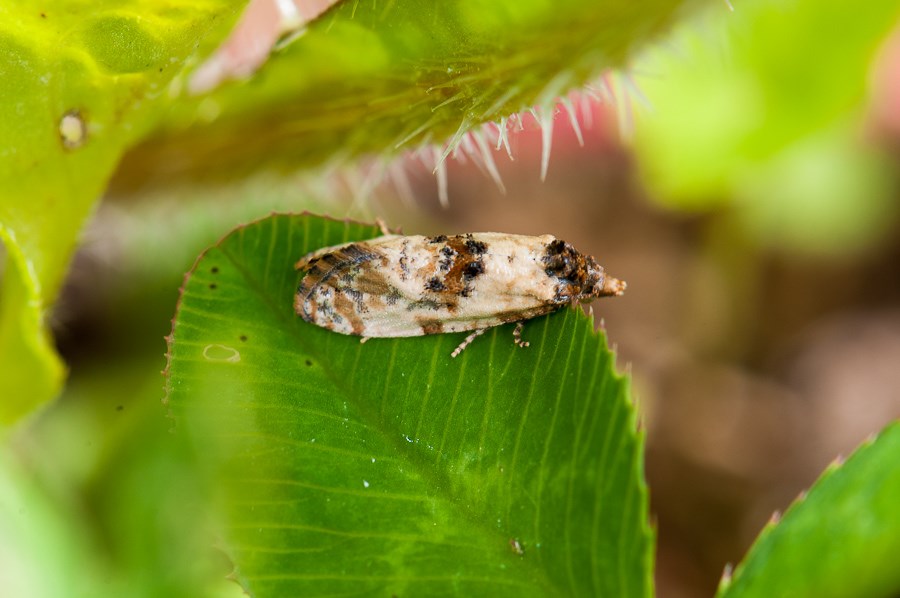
382 77
81 81
82 85
763 107
43 546
101 500
841 539
390 467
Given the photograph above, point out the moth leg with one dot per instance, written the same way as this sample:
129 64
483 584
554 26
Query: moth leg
517 335
363 339
467 341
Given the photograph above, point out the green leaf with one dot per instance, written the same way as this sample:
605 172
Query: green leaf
390 467
841 539
78 86
387 76
43 542
98 498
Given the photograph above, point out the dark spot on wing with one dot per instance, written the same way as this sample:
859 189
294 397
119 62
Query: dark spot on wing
346 307
357 298
476 247
448 256
460 262
371 281
431 326
404 260
569 266
431 305
393 296
438 239
435 285
337 269
473 269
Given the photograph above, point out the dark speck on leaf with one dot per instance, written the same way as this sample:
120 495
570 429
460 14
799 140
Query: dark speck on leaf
243 338
120 407
308 362
214 269
213 285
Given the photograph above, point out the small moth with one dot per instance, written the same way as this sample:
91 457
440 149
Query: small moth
397 286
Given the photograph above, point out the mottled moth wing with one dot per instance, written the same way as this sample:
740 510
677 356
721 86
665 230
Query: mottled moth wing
396 286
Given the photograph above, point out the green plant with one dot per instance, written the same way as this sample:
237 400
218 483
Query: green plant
458 475
317 465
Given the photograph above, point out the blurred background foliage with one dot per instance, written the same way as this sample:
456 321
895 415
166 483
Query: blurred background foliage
755 111
742 175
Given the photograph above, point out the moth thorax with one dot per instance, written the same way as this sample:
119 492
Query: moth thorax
561 260
569 267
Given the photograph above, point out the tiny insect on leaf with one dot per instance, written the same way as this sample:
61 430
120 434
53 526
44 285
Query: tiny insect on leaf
399 286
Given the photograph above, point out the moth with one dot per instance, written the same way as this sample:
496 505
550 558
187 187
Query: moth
400 286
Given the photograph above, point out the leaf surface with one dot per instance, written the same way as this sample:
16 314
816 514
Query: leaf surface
378 77
389 467
841 539
80 81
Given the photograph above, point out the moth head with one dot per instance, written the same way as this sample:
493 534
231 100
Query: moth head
598 283
606 285
583 278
